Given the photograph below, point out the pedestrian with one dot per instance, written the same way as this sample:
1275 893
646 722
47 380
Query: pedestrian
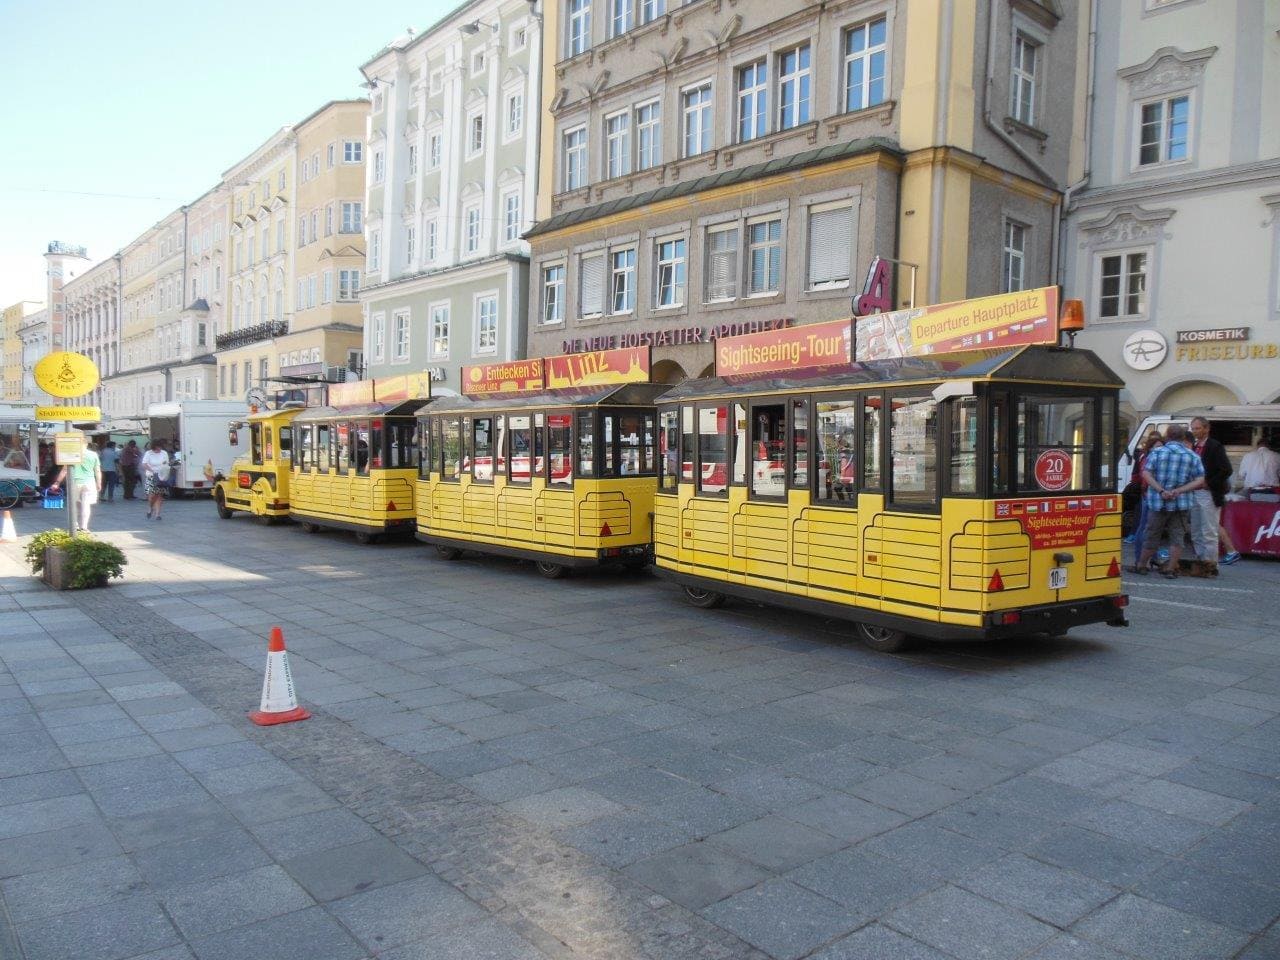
1172 473
1140 528
155 474
128 461
110 458
1260 467
1206 527
87 477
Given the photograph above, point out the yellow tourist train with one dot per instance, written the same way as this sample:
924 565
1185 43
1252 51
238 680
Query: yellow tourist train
259 480
565 479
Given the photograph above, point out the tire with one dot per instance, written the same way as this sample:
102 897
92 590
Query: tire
365 537
550 570
883 639
447 553
220 501
310 527
704 599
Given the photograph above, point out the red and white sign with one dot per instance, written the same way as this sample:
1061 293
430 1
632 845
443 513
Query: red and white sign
1053 470
1058 522
1254 526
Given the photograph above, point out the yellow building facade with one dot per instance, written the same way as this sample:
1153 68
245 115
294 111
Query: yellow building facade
13 318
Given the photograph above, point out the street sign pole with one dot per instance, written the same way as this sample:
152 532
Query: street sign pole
69 491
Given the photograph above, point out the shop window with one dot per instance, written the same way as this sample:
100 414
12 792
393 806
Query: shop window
872 436
713 449
913 445
769 450
800 444
560 449
837 451
669 449
519 446
1055 444
964 446
450 450
482 449
586 443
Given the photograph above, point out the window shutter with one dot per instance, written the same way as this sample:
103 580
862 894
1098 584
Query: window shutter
722 265
591 285
830 245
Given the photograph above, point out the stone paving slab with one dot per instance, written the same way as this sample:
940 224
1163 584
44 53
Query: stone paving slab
548 779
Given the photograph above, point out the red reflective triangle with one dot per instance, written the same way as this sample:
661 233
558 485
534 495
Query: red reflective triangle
997 582
391 505
604 530
1114 569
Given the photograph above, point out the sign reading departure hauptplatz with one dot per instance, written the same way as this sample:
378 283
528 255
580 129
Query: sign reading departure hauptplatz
68 413
785 351
573 371
65 374
987 323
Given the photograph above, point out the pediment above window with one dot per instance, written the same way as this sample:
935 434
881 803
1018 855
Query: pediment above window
1167 69
473 188
475 95
514 75
1128 224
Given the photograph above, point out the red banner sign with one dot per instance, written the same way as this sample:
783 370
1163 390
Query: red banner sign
1254 526
573 371
1057 522
785 351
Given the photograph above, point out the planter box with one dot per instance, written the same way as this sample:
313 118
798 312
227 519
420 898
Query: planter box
57 572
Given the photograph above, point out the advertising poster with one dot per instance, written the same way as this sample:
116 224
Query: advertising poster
573 371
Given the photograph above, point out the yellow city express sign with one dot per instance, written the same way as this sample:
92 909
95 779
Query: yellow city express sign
68 413
66 374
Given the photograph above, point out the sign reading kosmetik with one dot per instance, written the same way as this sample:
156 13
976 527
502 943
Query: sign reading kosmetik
1206 336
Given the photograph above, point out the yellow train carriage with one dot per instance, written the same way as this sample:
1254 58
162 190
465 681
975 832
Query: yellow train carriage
564 480
259 481
911 499
354 469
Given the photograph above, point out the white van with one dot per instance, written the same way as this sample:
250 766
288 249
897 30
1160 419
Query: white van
203 446
1237 427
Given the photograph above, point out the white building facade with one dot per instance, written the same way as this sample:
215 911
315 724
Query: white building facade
1173 241
92 303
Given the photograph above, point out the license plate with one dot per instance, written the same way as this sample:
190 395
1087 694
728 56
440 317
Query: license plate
1058 578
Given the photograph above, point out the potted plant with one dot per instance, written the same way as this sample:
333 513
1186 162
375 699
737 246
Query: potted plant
74 563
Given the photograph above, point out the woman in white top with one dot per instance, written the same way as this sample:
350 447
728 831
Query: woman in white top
155 471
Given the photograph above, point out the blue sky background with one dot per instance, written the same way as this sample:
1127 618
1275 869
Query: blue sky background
116 113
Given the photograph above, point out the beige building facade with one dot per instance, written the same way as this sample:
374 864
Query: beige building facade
14 318
93 323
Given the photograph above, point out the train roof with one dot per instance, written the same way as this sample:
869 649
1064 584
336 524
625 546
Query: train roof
363 411
1031 364
626 395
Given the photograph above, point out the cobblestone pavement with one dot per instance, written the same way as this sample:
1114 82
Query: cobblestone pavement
507 768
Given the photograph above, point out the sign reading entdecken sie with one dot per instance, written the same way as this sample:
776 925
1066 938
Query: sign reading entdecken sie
566 372
988 323
785 351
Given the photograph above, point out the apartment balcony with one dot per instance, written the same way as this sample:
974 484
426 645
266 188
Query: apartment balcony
247 335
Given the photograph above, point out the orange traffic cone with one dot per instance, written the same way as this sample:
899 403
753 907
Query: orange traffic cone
279 702
7 533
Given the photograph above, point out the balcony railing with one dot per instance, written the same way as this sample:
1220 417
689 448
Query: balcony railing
247 335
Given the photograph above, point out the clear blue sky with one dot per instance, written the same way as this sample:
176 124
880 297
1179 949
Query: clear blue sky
117 113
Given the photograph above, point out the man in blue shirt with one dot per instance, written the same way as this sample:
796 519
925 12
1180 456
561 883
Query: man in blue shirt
1172 473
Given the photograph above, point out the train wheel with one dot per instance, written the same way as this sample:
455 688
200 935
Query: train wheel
220 501
552 571
883 639
706 599
447 553
310 527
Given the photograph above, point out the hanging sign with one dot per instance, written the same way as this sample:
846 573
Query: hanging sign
518 376
987 323
573 371
68 413
350 394
408 386
785 351
68 449
66 374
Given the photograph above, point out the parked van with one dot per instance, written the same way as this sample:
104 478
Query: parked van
195 433
1236 427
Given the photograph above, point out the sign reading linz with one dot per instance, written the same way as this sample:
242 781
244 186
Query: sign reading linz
1221 333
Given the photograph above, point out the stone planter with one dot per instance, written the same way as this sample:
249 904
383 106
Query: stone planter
57 571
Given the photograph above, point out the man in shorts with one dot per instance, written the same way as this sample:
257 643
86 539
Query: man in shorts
87 475
1172 474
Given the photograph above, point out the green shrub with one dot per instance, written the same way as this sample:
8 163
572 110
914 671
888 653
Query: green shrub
90 562
38 543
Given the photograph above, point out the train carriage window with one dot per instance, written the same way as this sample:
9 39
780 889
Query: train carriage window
500 446
800 444
537 466
669 450
608 439
768 450
345 439
286 443
586 443
632 434
306 447
713 449
963 478
520 457
837 451
560 449
1000 443
255 444
740 448
1056 444
872 442
687 438
482 449
426 434
402 444
468 447
324 447
913 445
370 437
450 449
1108 438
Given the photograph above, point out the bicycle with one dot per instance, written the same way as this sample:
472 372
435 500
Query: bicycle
14 492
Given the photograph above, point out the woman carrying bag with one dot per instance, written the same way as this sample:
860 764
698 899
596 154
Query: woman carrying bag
155 476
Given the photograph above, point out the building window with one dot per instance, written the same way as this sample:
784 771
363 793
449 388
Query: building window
511 217
591 285
331 155
1163 130
575 159
264 370
1014 268
279 187
478 63
475 134
375 249
379 166
440 331
437 79
486 324
1022 84
697 119
327 290
1123 286
793 87
352 216
413 159
617 135
648 135
553 293
652 9
410 236
514 114
429 247
433 151
400 335
328 220
622 280
722 264
753 85
864 62
764 257
619 17
352 152
670 275
830 246
579 26
471 229
519 38
348 284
